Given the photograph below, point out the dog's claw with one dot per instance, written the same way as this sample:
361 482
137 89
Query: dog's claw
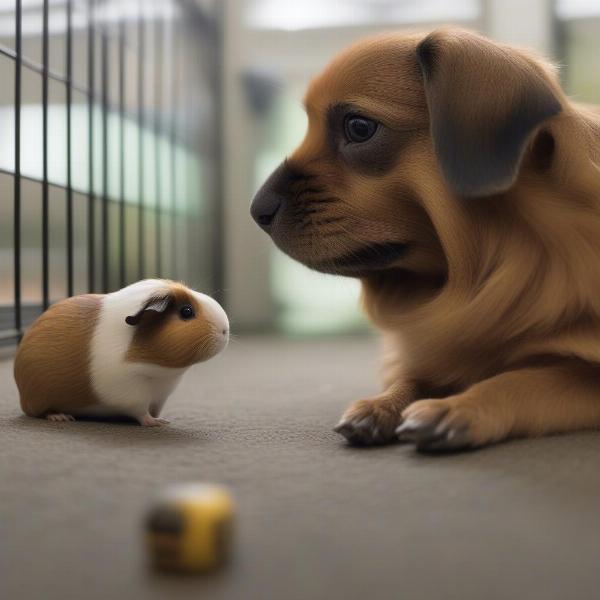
367 424
435 427
359 433
342 428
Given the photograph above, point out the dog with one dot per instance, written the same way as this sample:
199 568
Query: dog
453 177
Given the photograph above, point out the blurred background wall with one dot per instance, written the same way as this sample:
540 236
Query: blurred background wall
135 132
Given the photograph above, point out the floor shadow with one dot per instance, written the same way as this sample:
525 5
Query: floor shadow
114 431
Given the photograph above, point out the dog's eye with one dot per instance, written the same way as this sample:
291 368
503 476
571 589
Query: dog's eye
359 129
186 312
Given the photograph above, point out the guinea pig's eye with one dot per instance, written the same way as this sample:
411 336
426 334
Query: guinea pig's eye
186 312
359 129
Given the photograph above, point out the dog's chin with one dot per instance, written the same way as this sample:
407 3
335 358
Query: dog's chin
359 263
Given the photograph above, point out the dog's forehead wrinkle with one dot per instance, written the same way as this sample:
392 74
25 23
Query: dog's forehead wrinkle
380 64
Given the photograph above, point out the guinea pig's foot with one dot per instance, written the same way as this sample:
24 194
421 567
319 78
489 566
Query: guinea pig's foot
59 417
149 421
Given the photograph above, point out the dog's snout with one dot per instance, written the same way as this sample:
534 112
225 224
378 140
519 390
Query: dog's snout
271 196
265 206
276 194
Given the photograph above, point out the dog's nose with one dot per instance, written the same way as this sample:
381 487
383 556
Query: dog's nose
264 208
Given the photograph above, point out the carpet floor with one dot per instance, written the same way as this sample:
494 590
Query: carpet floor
315 518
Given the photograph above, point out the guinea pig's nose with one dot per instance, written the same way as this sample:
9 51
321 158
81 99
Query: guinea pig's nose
265 206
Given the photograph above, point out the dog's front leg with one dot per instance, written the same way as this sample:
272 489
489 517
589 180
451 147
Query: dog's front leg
374 421
521 403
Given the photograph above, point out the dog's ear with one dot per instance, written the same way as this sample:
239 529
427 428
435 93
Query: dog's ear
485 101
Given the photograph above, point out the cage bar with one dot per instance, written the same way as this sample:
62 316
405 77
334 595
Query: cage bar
18 321
158 67
105 222
91 209
175 47
141 173
123 249
45 208
69 215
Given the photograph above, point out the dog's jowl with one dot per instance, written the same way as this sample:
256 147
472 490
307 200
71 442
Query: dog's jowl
453 176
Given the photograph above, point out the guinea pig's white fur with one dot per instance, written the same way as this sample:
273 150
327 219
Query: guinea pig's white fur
120 383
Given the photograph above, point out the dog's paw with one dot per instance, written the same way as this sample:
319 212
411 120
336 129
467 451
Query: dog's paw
440 426
369 423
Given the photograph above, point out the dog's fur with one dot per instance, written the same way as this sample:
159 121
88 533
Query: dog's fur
472 218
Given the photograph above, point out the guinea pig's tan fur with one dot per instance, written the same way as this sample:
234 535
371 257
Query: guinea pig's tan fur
116 354
179 345
471 217
58 344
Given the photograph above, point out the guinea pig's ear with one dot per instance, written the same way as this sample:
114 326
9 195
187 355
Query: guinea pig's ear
157 303
485 102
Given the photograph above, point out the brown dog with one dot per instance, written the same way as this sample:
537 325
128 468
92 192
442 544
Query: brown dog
453 176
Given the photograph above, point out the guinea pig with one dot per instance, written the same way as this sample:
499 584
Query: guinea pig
118 354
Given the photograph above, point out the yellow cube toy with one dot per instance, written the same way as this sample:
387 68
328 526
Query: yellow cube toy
189 528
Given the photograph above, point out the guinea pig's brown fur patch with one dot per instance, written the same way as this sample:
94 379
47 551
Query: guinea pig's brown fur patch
165 339
52 361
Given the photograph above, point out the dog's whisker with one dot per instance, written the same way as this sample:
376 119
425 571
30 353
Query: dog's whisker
322 200
329 221
300 177
311 190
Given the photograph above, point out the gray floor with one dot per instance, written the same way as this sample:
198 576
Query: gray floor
316 519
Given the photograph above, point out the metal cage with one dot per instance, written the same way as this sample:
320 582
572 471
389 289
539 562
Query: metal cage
109 164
